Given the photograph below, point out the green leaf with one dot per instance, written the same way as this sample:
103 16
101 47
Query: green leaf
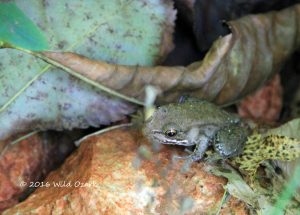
34 95
17 30
116 31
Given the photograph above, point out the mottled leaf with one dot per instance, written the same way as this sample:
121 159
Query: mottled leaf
16 30
290 129
35 95
259 148
280 143
259 198
235 66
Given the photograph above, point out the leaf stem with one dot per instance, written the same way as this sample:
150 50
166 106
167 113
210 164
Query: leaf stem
17 141
223 201
24 88
85 79
78 142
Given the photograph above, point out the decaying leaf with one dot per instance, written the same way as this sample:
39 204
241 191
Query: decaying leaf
35 95
276 144
290 129
238 188
282 143
259 148
236 65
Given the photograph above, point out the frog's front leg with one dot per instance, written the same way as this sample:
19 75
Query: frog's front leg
201 140
199 151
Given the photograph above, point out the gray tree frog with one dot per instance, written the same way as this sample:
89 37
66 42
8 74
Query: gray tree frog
199 124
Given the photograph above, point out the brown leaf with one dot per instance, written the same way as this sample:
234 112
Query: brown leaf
235 66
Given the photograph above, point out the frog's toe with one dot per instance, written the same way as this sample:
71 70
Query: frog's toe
181 157
192 157
196 157
188 151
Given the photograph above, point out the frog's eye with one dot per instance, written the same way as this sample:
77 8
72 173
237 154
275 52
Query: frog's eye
171 132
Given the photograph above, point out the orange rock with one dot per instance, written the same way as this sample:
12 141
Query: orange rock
23 164
265 105
17 164
113 173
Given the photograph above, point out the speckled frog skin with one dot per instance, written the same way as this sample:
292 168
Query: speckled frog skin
199 124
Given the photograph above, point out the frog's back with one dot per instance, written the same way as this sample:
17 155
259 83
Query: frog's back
198 112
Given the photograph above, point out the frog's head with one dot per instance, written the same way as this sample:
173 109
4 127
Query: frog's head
167 126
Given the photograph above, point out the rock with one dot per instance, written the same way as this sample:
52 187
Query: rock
17 163
265 105
24 164
118 173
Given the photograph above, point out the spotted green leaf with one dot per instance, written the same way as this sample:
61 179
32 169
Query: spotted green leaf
35 95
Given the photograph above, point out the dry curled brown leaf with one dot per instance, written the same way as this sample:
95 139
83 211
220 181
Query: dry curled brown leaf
235 66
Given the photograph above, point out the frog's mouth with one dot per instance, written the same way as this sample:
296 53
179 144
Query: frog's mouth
160 137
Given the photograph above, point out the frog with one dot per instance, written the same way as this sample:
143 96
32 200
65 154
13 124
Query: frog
199 124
